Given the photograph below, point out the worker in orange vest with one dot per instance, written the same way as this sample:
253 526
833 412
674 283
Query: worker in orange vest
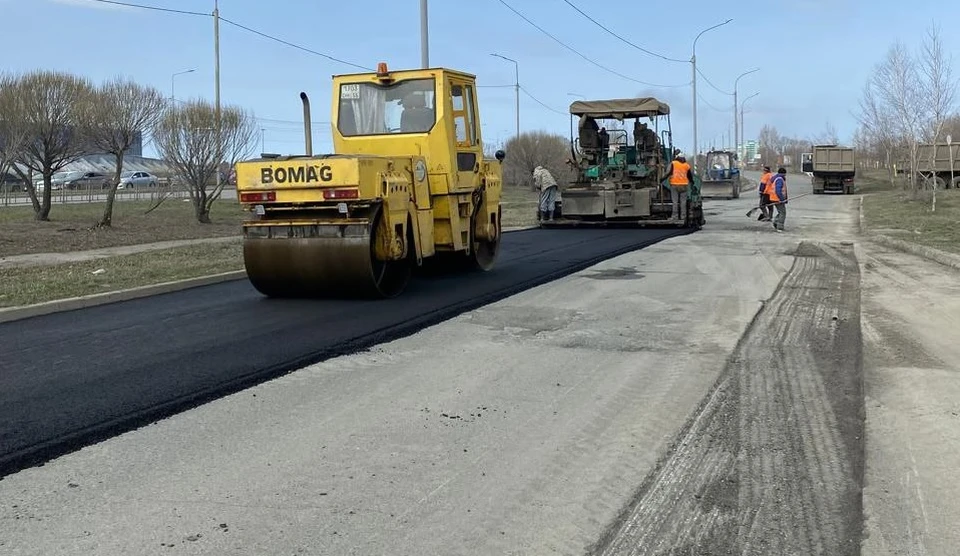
681 176
777 192
766 211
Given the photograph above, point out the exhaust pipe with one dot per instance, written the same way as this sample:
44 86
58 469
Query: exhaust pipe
308 134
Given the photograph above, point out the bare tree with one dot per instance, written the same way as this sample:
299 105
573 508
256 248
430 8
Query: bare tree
51 101
111 119
896 83
535 148
771 144
877 127
938 90
13 132
188 138
828 136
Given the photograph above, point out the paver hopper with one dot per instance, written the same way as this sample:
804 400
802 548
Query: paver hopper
619 181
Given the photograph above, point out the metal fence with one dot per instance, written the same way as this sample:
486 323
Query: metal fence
16 197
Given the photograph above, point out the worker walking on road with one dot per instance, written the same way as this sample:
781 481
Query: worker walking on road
766 211
547 186
681 176
777 192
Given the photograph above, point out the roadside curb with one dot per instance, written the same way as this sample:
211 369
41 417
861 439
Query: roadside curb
10 314
72 303
936 255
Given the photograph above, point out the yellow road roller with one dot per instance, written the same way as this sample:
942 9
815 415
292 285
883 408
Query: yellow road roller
408 184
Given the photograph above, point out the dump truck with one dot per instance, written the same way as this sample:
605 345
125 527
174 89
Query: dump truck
618 181
407 184
938 165
833 168
721 176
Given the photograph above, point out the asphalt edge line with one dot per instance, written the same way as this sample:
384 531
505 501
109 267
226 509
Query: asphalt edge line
40 454
931 253
72 303
20 312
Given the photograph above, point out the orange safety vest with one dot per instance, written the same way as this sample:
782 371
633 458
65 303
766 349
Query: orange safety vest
771 190
679 175
765 181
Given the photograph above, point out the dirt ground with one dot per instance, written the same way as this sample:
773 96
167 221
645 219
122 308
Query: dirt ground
910 320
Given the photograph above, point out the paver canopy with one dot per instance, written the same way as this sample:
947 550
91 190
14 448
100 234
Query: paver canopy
619 109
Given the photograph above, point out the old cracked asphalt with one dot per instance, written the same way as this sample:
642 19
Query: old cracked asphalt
703 395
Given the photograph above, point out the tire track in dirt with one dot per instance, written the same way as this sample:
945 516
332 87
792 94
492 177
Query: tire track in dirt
772 461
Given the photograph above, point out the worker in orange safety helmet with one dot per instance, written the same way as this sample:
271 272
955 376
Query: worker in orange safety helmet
680 176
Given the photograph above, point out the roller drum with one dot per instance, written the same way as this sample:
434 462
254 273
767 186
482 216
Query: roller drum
336 265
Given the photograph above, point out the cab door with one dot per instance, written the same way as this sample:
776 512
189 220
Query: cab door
469 149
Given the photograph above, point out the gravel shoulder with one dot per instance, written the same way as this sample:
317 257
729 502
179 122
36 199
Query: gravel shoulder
911 314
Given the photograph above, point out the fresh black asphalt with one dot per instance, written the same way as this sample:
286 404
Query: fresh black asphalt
71 379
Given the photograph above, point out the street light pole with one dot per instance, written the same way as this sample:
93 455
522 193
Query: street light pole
424 36
741 115
216 53
693 61
736 127
173 96
516 87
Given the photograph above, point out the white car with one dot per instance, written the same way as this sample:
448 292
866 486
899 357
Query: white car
137 179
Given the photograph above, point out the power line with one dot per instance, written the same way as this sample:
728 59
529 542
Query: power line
303 48
171 10
703 100
718 89
640 48
235 24
535 99
571 49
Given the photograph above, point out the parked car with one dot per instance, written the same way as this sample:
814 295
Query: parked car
86 180
56 181
137 179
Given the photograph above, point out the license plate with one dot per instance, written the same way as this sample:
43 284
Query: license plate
342 208
259 210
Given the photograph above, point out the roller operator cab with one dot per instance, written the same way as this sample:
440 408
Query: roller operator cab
408 183
620 173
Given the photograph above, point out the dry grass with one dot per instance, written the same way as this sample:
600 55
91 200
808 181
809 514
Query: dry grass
896 214
519 206
36 284
71 230
71 226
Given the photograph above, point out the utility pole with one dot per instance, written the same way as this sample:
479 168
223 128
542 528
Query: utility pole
516 87
424 36
216 52
693 61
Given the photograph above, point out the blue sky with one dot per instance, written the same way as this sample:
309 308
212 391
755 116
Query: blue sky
814 55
